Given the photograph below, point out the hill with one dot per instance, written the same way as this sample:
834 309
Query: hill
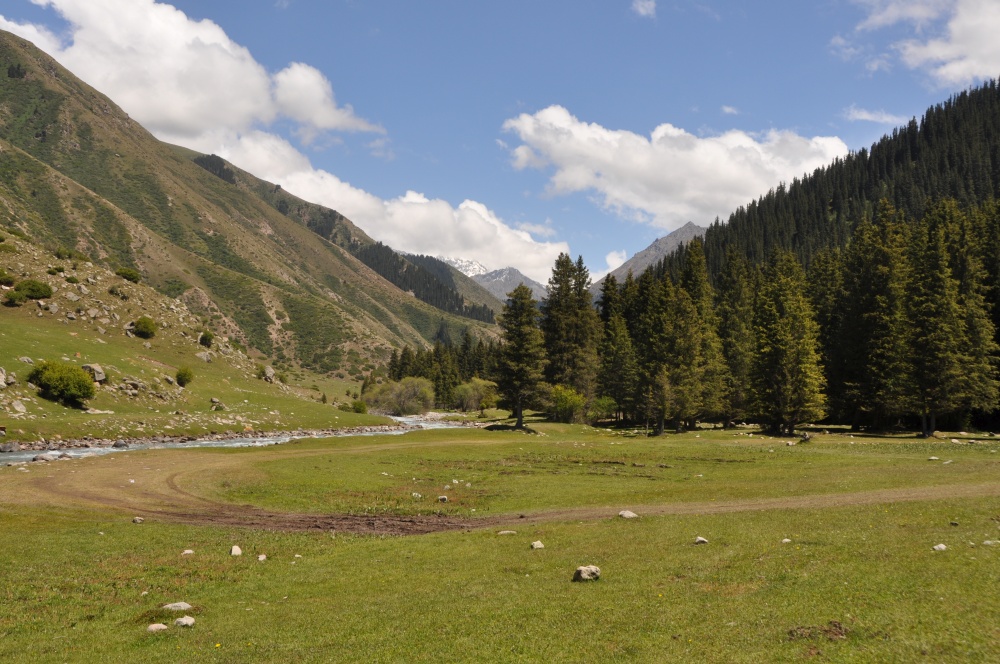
285 277
502 281
654 253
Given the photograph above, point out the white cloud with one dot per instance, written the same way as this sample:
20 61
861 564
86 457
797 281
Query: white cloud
730 110
140 53
613 260
190 84
964 48
672 176
855 114
644 8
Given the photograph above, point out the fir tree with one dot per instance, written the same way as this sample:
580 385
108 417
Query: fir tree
618 376
522 355
571 327
735 311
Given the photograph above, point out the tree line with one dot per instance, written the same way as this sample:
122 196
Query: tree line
897 328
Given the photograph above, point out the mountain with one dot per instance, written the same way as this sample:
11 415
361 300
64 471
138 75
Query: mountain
284 277
654 253
500 282
469 268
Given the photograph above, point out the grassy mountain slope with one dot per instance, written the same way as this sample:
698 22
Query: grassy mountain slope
77 172
87 322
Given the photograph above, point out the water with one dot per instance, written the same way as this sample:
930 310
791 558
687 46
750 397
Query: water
409 423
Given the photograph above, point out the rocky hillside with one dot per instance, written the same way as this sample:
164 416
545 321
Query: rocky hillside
500 282
654 253
276 273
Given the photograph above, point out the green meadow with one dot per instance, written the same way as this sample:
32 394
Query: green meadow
858 581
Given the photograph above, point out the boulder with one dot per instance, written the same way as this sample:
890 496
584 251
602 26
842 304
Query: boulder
262 557
137 519
442 499
236 551
507 532
786 541
700 540
177 606
537 545
9 447
587 573
96 372
205 356
18 407
627 514
187 552
940 547
186 621
269 374
26 360
156 627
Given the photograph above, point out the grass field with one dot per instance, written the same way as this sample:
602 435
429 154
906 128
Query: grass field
859 580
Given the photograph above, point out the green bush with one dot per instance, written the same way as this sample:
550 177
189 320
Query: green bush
359 407
34 290
8 249
66 383
14 299
6 279
144 327
206 338
129 274
567 404
72 280
184 376
409 396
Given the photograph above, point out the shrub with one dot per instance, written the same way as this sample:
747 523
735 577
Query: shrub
206 338
184 376
72 280
409 396
144 327
66 383
603 408
14 299
8 249
567 404
119 292
129 274
34 290
477 394
6 279
359 407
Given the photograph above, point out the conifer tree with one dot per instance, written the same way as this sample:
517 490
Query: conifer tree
618 376
520 369
571 327
787 375
735 311
712 373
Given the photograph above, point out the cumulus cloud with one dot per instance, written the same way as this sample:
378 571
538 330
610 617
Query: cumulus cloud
613 260
668 178
644 8
855 114
221 100
730 110
955 40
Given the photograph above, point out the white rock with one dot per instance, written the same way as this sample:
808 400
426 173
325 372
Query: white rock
700 540
945 463
157 627
991 542
786 541
537 545
587 573
626 514
416 495
507 532
187 552
447 487
933 459
186 621
236 551
940 547
137 519
177 606
262 557
442 499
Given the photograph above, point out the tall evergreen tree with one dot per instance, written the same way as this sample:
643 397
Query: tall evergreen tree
736 299
618 376
520 369
713 373
787 375
571 327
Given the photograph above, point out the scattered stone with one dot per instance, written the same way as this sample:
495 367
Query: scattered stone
157 627
587 573
236 551
447 487
137 519
119 444
18 407
991 542
442 499
790 443
177 606
205 356
262 557
26 360
537 545
507 532
627 514
940 547
186 621
786 541
945 463
9 447
416 495
700 540
96 372
269 374
933 459
47 456
954 523
187 552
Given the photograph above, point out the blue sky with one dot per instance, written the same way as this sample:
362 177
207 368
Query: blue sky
507 132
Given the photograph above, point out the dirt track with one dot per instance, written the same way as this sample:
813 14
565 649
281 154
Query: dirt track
158 493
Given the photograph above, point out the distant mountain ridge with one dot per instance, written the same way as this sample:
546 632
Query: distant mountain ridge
502 281
654 253
469 268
